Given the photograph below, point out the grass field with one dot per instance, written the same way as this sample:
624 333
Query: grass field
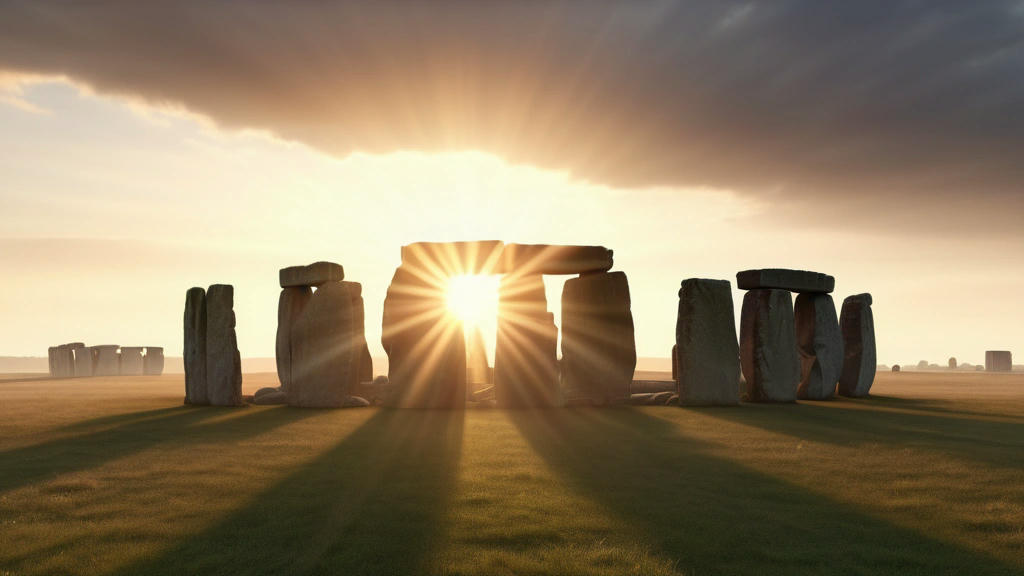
116 477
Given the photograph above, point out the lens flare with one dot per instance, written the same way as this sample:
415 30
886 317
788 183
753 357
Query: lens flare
473 298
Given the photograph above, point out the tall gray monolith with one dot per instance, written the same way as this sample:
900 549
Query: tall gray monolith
292 302
223 363
195 347
525 355
322 349
768 352
707 359
859 359
820 344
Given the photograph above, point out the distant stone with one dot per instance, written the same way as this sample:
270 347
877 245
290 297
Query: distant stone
896 368
598 343
265 390
271 398
768 351
85 360
998 361
290 305
784 279
707 356
554 259
153 362
858 326
195 347
952 363
131 360
64 361
445 259
322 350
108 361
51 356
820 343
641 399
223 363
356 402
314 274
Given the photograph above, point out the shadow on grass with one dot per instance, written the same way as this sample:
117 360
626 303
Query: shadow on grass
134 432
713 515
369 505
999 444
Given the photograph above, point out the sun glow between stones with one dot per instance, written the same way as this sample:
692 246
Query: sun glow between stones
473 298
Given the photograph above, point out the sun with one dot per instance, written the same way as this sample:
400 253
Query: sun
473 298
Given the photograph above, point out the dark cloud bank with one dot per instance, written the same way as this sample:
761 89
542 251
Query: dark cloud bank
868 108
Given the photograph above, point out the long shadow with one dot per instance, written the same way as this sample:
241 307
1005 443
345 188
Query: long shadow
999 444
942 406
714 516
369 505
28 464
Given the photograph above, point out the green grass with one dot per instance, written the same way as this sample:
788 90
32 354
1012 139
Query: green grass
116 477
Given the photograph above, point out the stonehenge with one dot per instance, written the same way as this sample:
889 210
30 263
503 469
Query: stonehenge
78 360
213 368
153 361
998 361
706 358
131 360
820 344
768 352
859 362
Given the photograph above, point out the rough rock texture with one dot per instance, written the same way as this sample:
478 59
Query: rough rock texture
64 361
314 274
270 398
598 346
526 349
223 364
265 390
859 363
998 360
153 363
195 347
820 343
84 361
552 259
706 356
444 259
768 353
425 346
362 363
131 360
322 350
783 279
107 360
290 305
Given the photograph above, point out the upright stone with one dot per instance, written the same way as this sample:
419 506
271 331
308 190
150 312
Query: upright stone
360 349
322 349
820 343
290 305
108 361
768 352
998 361
65 361
195 347
598 346
84 361
526 354
223 363
706 356
314 274
153 363
51 354
131 360
859 362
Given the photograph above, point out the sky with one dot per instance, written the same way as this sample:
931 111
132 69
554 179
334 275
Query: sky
148 148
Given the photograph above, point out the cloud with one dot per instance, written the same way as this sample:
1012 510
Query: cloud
835 111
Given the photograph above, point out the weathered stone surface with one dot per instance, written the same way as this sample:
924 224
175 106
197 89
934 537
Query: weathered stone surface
131 360
108 361
598 346
290 305
313 274
64 361
820 343
270 398
362 364
356 402
322 349
768 352
425 346
526 348
706 355
784 279
265 390
998 361
194 351
553 259
153 362
84 360
223 363
952 363
440 260
859 363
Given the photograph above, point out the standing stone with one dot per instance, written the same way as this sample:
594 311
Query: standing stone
526 349
360 349
84 361
706 356
65 361
322 349
223 363
859 363
131 360
108 361
195 347
290 305
153 363
820 343
598 346
998 361
314 274
768 352
952 363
